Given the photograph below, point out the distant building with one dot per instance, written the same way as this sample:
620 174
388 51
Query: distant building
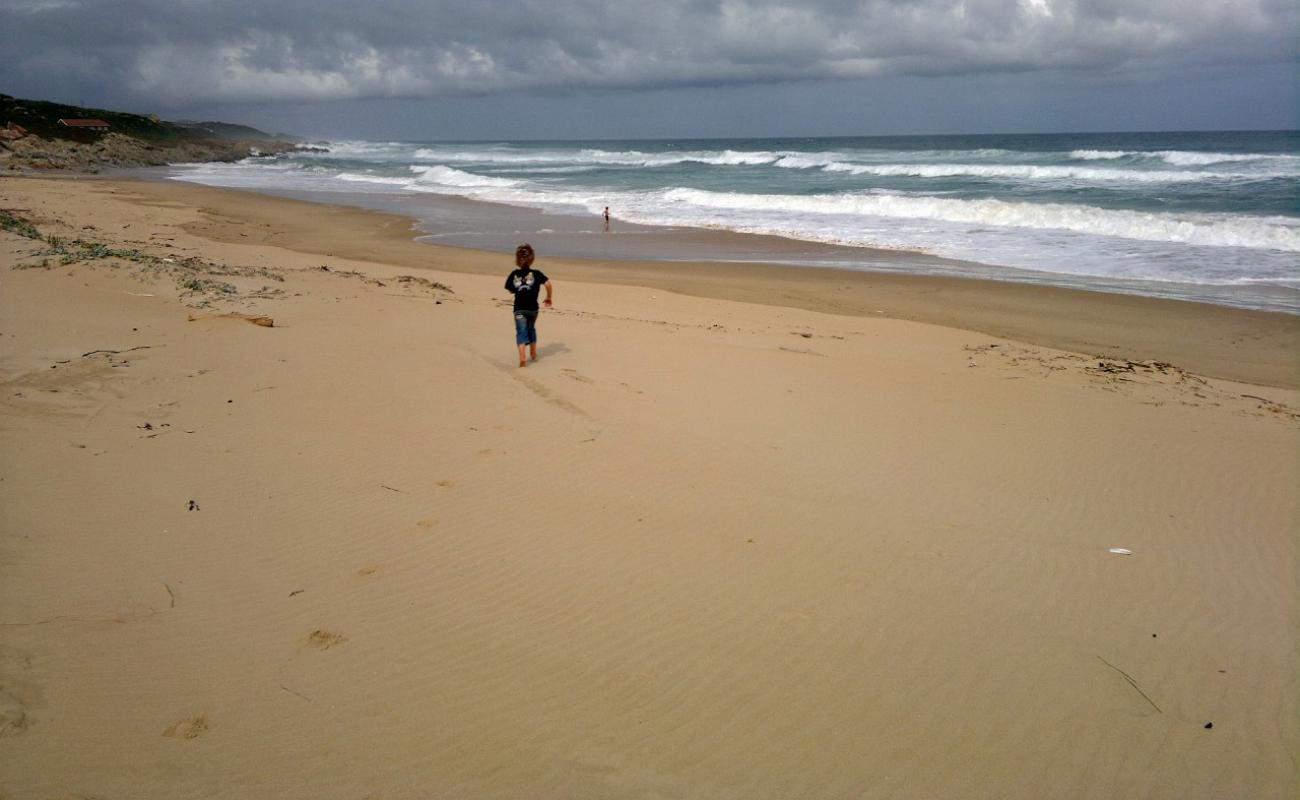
85 124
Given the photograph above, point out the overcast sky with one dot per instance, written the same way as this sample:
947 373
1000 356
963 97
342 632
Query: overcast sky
492 69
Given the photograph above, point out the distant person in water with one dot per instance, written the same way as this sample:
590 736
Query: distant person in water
606 217
525 283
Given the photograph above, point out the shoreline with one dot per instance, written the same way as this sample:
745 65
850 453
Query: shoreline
1243 345
486 225
1073 211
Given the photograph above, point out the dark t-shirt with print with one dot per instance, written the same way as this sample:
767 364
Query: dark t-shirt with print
525 286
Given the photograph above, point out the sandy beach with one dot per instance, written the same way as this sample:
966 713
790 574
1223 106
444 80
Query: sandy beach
741 532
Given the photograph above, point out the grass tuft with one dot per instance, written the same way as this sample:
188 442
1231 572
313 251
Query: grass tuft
16 224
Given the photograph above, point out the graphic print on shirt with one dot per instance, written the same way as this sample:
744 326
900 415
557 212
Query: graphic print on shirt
524 281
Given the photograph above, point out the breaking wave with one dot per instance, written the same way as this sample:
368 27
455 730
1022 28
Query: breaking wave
1271 233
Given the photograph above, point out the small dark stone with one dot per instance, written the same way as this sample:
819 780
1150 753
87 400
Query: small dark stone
1153 636
1209 725
230 401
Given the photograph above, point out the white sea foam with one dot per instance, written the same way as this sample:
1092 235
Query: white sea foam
922 164
491 155
359 151
1101 155
1189 158
555 170
835 162
721 158
1271 233
592 157
809 160
1034 172
353 177
448 176
1186 158
736 158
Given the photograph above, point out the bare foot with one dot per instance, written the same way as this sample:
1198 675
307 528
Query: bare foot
523 363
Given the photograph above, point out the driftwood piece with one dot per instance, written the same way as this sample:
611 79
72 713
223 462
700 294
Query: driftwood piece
1132 683
111 352
256 319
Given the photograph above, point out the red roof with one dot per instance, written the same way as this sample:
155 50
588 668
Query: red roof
84 123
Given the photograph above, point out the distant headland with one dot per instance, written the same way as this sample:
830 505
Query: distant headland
36 135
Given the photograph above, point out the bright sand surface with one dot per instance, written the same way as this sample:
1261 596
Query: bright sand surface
701 549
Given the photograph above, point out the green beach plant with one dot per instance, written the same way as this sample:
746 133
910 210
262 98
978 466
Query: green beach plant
16 224
80 250
203 285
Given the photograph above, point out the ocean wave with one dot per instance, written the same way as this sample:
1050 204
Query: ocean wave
735 158
449 176
837 162
595 157
1266 233
718 158
1034 172
353 177
1186 158
985 163
269 165
1101 155
556 170
357 151
808 160
493 156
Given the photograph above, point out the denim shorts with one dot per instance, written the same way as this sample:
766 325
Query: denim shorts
525 327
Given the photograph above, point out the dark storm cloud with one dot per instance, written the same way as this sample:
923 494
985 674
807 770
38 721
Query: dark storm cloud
214 51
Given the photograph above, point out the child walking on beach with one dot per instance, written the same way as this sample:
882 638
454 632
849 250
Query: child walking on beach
525 283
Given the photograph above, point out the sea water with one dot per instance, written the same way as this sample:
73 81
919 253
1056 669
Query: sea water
1205 216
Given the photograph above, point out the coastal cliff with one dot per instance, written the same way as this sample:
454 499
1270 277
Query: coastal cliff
37 135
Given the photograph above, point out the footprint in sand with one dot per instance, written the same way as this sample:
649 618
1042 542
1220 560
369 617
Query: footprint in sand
367 571
445 484
577 376
188 728
427 523
323 640
14 718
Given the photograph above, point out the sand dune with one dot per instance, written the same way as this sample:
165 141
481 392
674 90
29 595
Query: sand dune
701 548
